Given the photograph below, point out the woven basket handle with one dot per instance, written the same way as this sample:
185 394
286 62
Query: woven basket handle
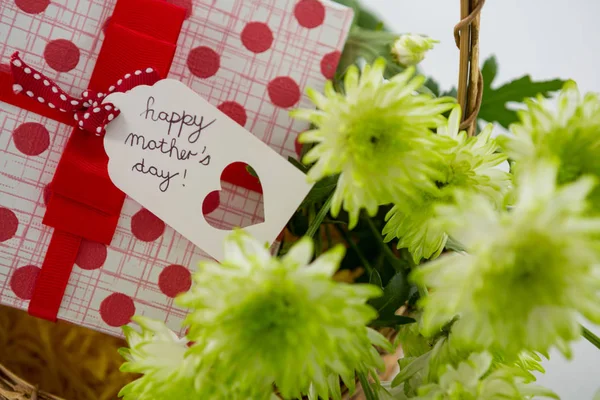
470 80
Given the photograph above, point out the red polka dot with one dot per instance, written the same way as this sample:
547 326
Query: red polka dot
329 64
174 279
284 91
146 226
31 138
211 202
61 55
187 4
298 146
235 111
257 37
23 281
8 224
310 13
203 62
91 255
46 193
5 68
32 6
117 309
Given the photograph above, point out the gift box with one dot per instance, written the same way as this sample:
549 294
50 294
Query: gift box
252 59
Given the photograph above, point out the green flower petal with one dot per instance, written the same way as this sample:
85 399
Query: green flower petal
160 355
539 260
467 165
473 379
378 137
260 321
566 134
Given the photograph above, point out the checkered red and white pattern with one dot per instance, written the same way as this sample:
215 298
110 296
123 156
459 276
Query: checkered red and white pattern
251 58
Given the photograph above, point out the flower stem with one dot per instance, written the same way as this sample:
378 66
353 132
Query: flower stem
387 252
316 223
356 249
328 236
589 335
366 386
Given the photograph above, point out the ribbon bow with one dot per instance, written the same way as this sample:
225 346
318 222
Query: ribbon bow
89 112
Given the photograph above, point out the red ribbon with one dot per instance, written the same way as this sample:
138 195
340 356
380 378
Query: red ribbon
84 203
88 112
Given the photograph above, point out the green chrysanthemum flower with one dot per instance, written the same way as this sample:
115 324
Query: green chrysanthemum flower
427 365
471 380
568 135
260 321
377 137
159 354
171 372
468 164
529 272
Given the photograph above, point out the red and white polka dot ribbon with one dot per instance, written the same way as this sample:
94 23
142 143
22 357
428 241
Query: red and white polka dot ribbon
89 113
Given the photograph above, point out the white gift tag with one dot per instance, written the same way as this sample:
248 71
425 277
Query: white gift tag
167 151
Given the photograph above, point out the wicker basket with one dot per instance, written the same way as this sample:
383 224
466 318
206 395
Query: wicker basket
14 388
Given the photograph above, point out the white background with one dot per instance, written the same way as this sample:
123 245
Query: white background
545 38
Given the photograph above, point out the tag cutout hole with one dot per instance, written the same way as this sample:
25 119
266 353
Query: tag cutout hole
234 206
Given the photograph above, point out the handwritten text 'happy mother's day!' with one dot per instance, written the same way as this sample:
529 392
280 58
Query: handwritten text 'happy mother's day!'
172 146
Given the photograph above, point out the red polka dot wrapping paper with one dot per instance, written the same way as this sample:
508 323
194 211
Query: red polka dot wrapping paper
253 59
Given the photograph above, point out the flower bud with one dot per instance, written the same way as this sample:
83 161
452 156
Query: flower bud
410 49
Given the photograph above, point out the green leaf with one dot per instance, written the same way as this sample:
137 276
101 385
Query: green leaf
394 296
392 321
397 263
320 191
489 71
369 20
298 164
318 220
590 336
362 16
370 394
413 295
369 45
416 365
251 171
453 92
356 256
353 4
375 279
432 85
298 224
494 103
